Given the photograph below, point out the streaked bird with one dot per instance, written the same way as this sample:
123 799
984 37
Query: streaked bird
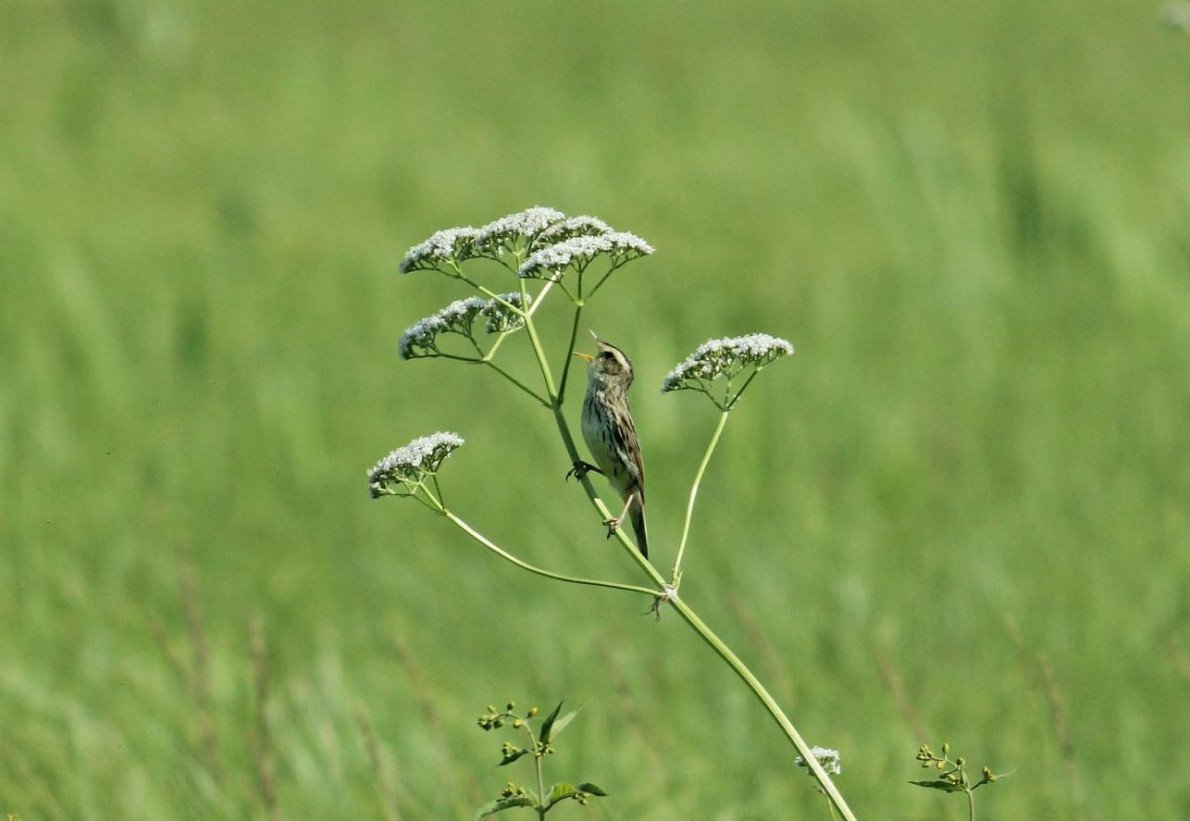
611 435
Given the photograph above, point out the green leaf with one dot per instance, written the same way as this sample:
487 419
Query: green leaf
560 792
945 786
493 807
513 756
548 725
593 789
561 723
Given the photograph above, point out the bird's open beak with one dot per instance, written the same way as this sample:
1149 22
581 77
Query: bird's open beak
586 357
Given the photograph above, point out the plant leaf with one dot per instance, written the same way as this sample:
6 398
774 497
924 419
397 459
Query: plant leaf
513 756
593 789
548 725
493 807
561 723
945 786
560 792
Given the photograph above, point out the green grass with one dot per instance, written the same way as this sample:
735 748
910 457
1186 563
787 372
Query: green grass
960 509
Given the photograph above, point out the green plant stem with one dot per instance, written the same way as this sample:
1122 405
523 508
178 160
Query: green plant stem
706 458
736 397
518 383
539 353
549 574
970 805
740 669
537 302
537 763
542 805
578 311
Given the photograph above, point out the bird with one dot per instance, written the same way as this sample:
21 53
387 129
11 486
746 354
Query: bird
611 435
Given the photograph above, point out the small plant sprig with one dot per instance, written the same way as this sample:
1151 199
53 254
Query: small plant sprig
953 777
538 745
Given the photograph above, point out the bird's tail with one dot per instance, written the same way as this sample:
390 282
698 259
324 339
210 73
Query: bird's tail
637 513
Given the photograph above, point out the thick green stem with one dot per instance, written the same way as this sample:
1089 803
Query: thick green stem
706 459
539 352
549 574
542 804
740 669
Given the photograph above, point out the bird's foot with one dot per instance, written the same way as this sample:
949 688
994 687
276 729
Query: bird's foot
613 525
581 469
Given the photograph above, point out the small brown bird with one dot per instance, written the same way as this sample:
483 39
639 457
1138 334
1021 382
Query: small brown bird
611 435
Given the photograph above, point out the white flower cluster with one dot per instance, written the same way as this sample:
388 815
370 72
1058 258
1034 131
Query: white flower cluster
550 261
829 759
573 227
449 243
490 240
553 240
458 317
505 231
500 317
716 357
409 464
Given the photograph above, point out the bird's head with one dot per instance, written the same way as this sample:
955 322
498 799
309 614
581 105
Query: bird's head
609 366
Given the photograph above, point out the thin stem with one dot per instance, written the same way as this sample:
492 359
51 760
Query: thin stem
537 300
516 382
443 355
578 310
603 279
549 574
706 458
743 387
541 797
438 490
431 501
539 353
970 805
740 669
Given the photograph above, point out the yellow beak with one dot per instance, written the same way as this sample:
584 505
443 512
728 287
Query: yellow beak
586 357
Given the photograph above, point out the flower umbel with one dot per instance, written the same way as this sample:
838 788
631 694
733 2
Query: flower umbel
583 226
729 357
447 245
580 250
405 470
502 315
511 232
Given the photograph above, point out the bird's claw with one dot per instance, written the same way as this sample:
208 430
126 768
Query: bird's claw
581 469
612 526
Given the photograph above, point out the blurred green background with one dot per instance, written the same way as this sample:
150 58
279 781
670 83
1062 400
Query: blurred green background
958 513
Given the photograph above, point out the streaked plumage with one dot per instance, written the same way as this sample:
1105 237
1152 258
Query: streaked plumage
611 435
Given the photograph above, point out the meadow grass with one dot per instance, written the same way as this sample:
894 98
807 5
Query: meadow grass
958 513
